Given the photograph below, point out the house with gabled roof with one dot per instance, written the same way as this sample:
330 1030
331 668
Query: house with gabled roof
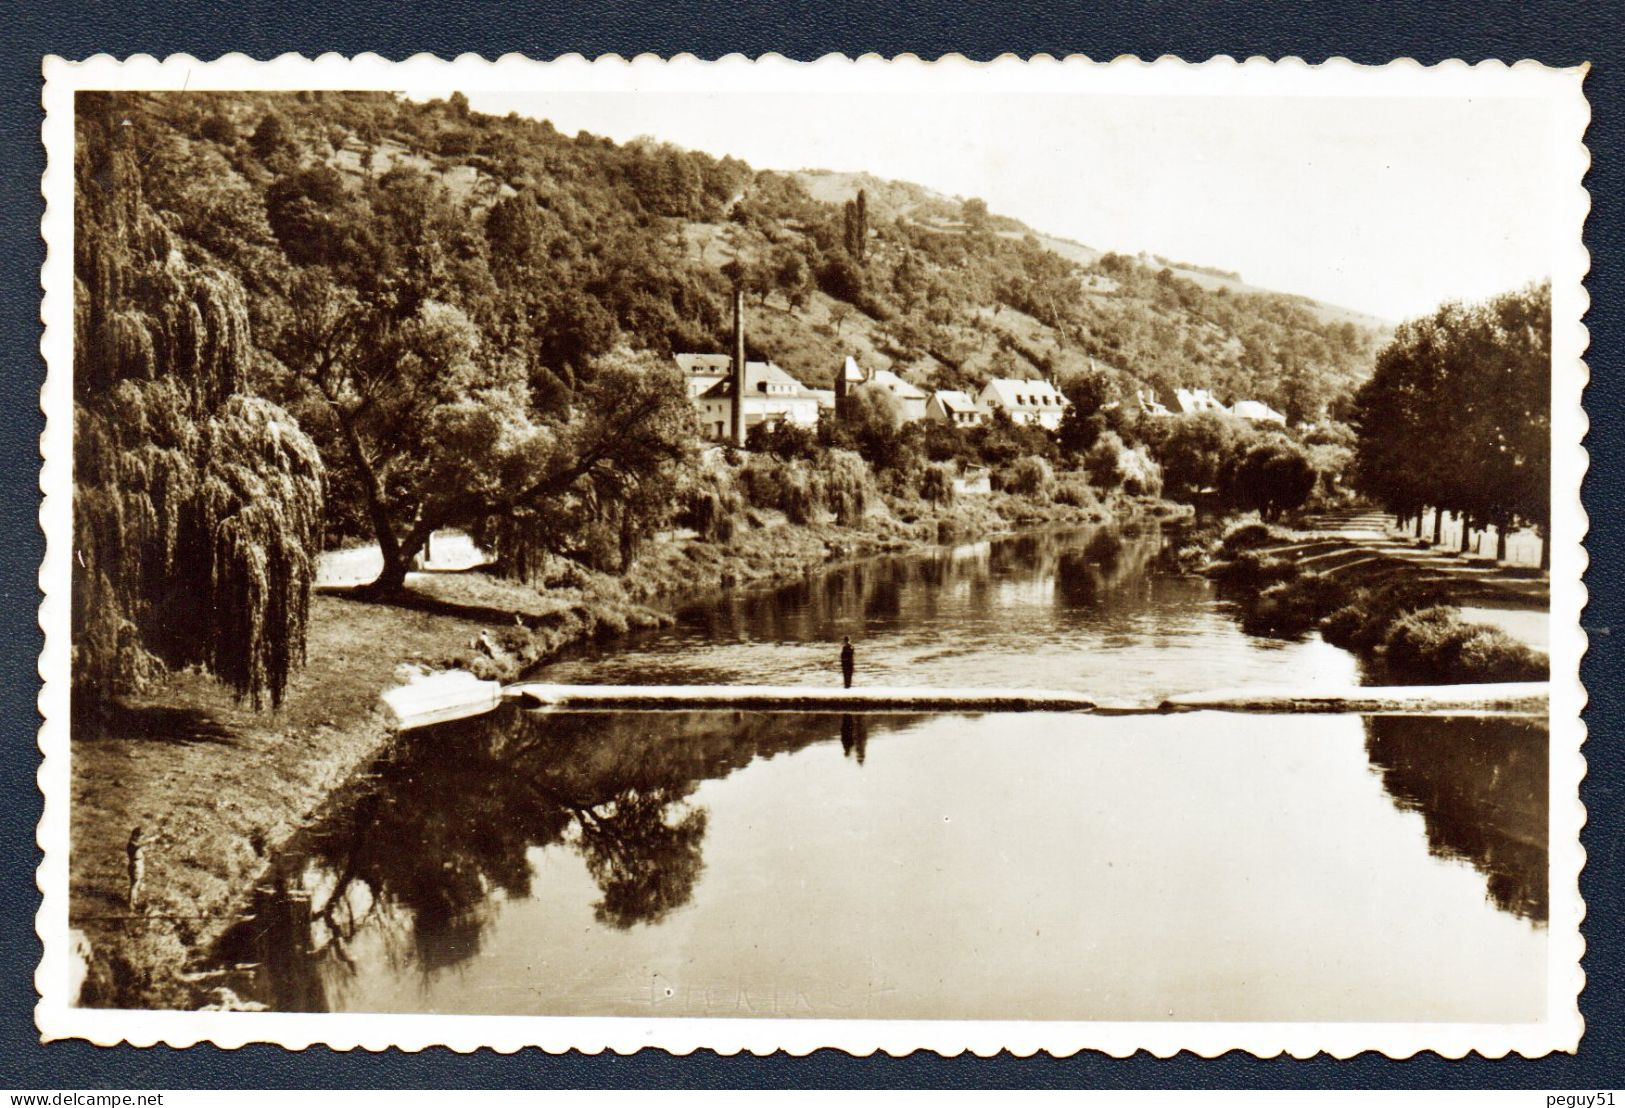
911 399
1192 401
701 371
1256 411
771 395
1025 402
957 408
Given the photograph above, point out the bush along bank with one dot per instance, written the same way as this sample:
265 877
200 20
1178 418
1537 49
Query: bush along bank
1389 613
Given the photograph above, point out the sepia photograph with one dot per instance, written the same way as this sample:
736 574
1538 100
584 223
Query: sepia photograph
878 554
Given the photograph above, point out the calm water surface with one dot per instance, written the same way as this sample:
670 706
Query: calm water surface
1062 610
917 866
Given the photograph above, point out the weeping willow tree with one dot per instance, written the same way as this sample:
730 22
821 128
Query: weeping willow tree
197 508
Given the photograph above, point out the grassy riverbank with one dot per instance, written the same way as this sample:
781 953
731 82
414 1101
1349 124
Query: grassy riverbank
1396 605
217 787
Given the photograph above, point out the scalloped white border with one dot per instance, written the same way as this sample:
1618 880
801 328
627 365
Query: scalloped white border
647 73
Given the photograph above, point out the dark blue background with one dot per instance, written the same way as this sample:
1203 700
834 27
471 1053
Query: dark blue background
1555 33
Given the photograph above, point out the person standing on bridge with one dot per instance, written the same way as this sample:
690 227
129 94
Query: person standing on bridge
848 660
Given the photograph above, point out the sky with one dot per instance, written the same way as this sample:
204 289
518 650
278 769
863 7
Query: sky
1386 206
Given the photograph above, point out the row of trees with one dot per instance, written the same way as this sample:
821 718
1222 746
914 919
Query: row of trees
1457 416
1210 457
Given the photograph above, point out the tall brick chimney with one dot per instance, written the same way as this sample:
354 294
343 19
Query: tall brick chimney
739 366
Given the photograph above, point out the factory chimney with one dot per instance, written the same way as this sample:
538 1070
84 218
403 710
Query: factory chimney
739 365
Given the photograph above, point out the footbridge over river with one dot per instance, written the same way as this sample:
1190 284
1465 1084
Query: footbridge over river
1519 698
458 695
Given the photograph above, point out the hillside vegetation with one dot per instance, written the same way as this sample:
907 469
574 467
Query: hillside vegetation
624 243
471 316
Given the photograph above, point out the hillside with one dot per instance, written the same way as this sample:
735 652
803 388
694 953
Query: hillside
900 199
561 247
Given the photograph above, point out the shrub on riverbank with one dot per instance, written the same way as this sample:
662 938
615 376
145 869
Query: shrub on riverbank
1251 572
1363 621
1434 644
1294 607
835 482
1250 533
1074 490
1030 477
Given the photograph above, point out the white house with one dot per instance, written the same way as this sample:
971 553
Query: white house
1149 404
701 371
958 408
771 395
1197 400
1025 402
911 399
1255 411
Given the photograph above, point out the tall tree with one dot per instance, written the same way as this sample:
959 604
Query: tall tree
438 431
1271 476
1194 450
197 508
1457 415
856 226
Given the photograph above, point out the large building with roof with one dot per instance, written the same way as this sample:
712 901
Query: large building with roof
701 371
771 396
911 399
1025 402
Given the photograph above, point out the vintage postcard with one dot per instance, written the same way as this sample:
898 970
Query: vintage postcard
1040 555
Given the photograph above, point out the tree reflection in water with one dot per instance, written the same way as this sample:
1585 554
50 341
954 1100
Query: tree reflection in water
644 865
1101 570
1480 785
421 847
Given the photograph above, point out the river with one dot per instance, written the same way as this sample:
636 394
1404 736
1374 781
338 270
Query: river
1022 866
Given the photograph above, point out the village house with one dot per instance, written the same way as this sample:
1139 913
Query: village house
1025 402
771 396
701 371
911 399
1255 411
1192 401
973 481
957 408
